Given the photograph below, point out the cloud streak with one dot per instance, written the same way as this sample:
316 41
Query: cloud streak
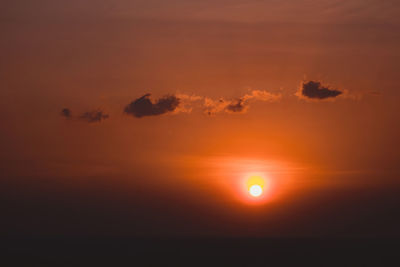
94 116
89 116
144 106
239 105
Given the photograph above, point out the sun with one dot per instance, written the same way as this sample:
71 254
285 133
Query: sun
255 190
255 185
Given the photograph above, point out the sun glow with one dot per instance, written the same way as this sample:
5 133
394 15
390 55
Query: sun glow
251 181
255 185
255 190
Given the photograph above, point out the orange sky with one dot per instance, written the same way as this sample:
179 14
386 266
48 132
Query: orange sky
102 55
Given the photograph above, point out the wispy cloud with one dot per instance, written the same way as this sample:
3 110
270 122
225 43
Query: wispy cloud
176 103
238 105
187 102
89 116
94 116
144 106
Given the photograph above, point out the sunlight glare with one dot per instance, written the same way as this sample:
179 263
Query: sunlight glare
255 190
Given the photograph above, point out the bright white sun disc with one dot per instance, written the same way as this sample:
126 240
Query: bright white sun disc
255 190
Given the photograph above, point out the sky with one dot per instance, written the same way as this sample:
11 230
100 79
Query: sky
145 118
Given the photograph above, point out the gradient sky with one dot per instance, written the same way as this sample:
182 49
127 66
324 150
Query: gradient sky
333 162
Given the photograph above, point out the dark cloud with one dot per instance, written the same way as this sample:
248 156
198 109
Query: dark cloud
94 116
66 112
143 106
236 106
315 90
